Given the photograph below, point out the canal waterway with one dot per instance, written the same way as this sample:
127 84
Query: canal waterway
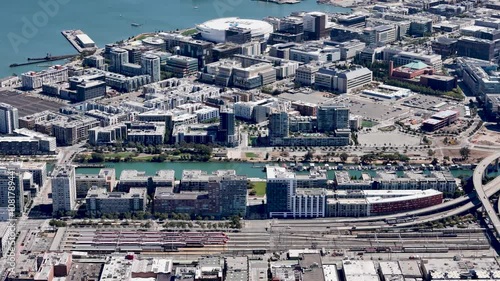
252 170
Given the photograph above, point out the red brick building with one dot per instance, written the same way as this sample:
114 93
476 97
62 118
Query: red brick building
380 206
410 71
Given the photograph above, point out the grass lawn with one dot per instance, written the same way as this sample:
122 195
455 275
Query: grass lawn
259 187
252 140
123 154
141 37
143 158
189 32
368 123
251 155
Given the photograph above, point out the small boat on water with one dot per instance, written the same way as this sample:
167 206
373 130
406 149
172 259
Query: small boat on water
135 24
195 7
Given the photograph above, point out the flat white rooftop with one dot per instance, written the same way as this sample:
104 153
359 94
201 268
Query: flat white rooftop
275 172
226 23
85 39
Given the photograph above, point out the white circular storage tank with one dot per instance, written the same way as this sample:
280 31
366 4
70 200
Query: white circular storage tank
215 30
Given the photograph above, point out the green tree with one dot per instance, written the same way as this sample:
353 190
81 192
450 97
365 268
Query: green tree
465 152
97 157
57 223
309 155
435 161
343 156
236 222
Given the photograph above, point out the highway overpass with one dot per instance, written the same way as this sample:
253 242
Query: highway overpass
483 193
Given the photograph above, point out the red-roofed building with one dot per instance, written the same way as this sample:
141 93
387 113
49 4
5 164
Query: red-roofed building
410 71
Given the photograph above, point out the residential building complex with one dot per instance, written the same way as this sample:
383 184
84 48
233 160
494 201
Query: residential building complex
134 178
106 179
35 80
99 201
442 181
380 202
220 194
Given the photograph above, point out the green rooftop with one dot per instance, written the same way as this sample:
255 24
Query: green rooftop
416 65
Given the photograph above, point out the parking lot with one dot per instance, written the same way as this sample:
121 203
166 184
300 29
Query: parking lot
376 110
27 104
394 139
432 104
313 97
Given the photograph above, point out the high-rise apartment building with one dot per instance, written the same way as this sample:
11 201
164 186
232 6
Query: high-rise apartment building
232 192
63 189
150 65
11 183
119 57
227 130
281 186
279 125
9 118
333 117
286 200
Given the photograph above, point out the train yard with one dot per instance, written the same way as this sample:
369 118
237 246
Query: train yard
408 242
411 242
100 241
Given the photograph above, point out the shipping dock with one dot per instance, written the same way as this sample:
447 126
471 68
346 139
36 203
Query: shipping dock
48 58
80 41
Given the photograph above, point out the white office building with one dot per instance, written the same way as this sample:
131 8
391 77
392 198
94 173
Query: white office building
309 53
305 74
342 81
350 49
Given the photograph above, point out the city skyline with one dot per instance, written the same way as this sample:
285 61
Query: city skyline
280 140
